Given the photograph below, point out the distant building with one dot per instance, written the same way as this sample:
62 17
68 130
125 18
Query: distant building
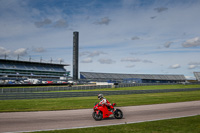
16 70
197 75
131 78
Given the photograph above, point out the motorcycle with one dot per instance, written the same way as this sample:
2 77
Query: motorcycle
102 112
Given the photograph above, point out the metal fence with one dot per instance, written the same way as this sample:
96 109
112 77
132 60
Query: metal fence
82 87
141 84
56 92
46 89
14 96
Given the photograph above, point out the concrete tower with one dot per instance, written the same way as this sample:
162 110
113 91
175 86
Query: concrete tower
75 55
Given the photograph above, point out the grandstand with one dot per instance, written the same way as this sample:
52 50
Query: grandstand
18 70
133 78
197 75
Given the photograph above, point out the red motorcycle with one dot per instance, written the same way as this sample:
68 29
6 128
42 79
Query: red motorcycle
102 112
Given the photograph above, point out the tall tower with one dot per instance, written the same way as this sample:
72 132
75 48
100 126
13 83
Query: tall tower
75 55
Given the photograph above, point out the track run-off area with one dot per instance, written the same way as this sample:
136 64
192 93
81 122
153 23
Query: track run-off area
68 119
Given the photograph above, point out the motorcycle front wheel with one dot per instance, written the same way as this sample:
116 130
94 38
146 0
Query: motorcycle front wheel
98 116
118 114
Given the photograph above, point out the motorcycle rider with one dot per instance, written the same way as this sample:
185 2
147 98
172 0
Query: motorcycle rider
104 101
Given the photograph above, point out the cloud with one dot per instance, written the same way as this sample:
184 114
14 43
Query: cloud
4 51
39 50
175 66
194 63
153 17
87 60
189 78
160 9
85 53
43 23
20 51
135 38
129 59
103 21
106 61
92 54
147 61
61 23
95 53
60 60
194 42
192 66
130 66
167 44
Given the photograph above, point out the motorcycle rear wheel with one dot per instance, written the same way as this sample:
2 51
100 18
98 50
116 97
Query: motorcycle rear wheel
98 116
118 114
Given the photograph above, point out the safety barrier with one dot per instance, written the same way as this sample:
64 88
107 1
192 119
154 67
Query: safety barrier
14 96
81 87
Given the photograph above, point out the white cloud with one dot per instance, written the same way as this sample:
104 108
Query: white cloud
130 59
103 21
92 54
130 66
4 51
175 66
95 53
167 44
39 50
60 60
194 63
87 60
147 61
20 51
190 77
194 42
192 66
106 61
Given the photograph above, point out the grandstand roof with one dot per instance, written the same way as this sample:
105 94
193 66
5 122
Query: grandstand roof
197 75
94 75
33 62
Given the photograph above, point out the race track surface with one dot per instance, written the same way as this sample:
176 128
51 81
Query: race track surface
50 120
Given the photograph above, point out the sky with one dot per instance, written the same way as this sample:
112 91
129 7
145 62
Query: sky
115 36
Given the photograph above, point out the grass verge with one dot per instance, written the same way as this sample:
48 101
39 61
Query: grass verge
152 87
88 102
178 125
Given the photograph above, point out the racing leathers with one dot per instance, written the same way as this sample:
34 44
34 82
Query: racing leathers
104 101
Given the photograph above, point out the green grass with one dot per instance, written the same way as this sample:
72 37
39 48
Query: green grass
153 87
178 125
88 102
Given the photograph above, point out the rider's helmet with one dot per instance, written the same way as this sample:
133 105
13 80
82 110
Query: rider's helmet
100 96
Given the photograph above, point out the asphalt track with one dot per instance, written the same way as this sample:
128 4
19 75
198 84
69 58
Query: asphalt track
66 119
